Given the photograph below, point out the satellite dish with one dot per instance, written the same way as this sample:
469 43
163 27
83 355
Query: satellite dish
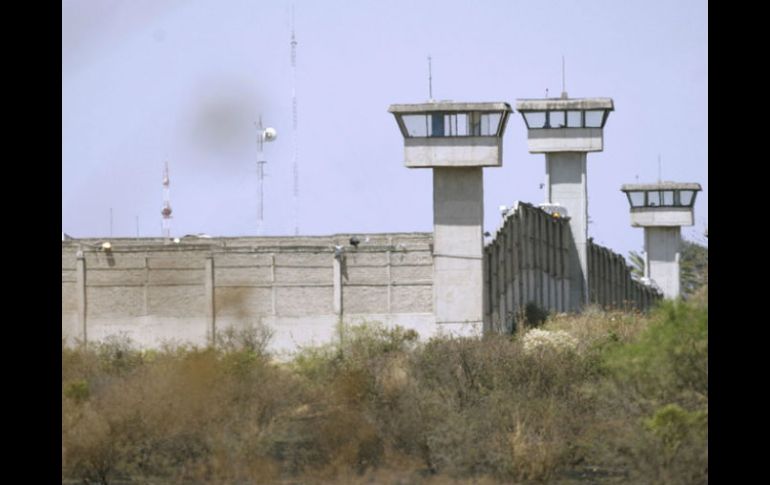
270 134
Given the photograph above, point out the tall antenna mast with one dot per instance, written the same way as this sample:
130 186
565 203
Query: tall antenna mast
659 177
295 162
166 211
430 80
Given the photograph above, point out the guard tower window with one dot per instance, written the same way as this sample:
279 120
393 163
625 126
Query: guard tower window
452 124
595 118
446 124
574 119
416 125
437 124
535 119
556 119
459 124
475 123
490 123
636 198
686 197
660 195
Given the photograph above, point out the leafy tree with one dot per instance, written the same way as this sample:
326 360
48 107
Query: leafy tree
693 266
637 263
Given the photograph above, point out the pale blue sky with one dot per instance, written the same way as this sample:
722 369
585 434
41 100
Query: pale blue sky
145 81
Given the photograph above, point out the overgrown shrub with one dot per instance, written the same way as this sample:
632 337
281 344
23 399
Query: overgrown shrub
658 384
602 395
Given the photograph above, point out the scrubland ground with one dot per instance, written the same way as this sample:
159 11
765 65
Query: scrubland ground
601 397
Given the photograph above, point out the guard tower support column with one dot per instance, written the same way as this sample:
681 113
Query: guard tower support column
458 244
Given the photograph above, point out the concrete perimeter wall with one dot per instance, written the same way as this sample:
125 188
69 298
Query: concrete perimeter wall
186 292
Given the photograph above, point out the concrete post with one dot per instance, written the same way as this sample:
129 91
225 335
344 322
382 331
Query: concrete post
146 288
510 252
518 269
208 285
337 275
389 275
273 289
80 270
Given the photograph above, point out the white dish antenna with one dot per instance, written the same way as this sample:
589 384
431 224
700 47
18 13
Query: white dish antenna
270 134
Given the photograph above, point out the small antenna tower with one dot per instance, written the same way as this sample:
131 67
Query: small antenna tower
263 135
166 211
295 154
430 79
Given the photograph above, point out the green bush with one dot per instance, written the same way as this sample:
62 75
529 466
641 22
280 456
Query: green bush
77 390
669 362
674 426
628 400
657 389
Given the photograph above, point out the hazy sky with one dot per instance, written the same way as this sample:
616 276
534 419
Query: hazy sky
144 81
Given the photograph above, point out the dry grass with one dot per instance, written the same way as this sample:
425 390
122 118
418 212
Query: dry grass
381 407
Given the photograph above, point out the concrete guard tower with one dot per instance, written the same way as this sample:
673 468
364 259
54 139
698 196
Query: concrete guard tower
566 130
456 140
662 209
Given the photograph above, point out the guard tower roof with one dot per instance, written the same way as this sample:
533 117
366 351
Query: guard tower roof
564 103
661 186
445 106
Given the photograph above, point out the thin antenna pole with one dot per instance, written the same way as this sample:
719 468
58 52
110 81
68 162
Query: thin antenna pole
295 155
430 79
260 176
563 78
110 221
659 177
166 210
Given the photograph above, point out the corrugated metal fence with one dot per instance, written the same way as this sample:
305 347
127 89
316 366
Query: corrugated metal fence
526 264
610 284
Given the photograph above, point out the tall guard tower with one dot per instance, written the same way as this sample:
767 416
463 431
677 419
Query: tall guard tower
456 140
662 209
565 130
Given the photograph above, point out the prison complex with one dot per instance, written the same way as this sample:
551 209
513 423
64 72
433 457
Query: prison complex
157 290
